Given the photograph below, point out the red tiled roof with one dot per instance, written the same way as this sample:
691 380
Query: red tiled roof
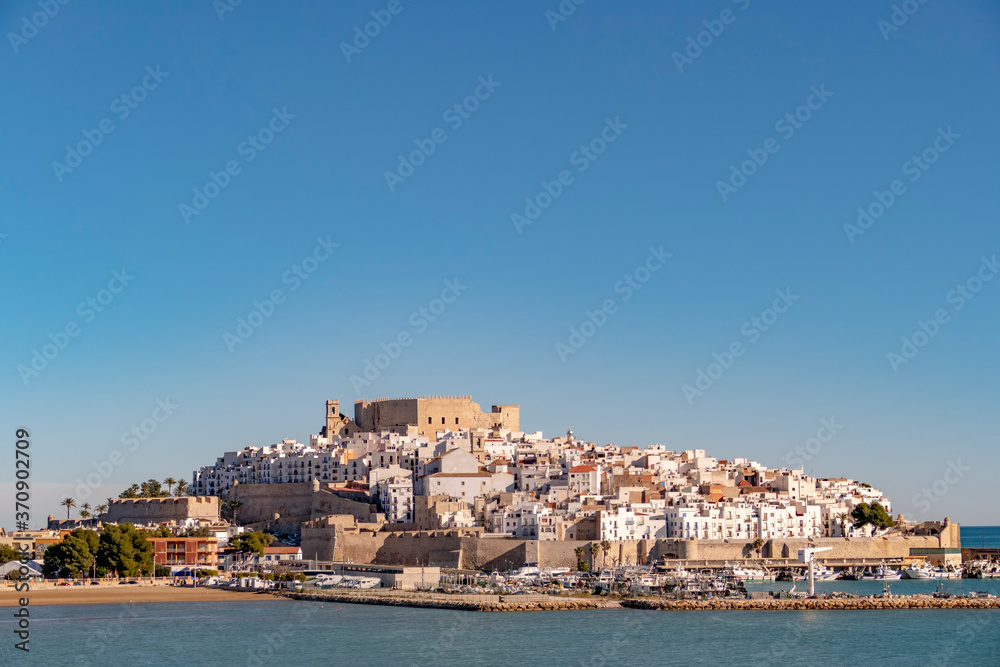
583 469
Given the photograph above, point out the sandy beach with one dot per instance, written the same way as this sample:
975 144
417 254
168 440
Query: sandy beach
112 594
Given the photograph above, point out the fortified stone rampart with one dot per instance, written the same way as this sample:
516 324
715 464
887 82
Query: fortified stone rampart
342 538
162 510
285 507
432 413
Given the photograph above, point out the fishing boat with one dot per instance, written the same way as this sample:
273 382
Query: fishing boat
921 570
883 573
823 573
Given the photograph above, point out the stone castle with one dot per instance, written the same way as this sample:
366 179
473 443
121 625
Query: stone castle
419 416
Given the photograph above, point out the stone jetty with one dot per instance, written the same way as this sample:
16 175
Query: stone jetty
786 604
511 603
504 603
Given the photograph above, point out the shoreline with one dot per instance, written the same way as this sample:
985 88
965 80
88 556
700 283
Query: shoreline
70 595
476 603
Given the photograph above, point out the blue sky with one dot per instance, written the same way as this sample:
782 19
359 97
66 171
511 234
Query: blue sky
673 130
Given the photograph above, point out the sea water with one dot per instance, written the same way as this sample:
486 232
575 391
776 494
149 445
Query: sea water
285 632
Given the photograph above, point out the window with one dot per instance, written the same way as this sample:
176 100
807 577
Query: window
456 421
429 420
442 420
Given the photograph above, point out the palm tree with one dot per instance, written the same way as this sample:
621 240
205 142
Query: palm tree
170 481
101 509
758 544
84 514
595 549
69 504
579 557
182 487
605 547
86 508
843 518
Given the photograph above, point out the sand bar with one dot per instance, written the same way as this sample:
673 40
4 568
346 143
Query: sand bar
111 594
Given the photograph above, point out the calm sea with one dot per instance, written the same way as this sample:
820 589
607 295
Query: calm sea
981 537
279 632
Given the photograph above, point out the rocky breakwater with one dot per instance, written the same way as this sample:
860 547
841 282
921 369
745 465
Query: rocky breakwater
814 604
507 604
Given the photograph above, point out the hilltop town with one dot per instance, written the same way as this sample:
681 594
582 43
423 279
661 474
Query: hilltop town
435 478
437 481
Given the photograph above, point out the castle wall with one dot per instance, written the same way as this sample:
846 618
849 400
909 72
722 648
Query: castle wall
469 549
284 507
259 503
431 414
162 510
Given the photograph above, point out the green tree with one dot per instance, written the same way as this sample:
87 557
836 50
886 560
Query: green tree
101 509
69 504
8 554
251 542
581 564
182 487
170 481
73 556
125 550
757 545
595 551
605 548
161 531
873 515
151 489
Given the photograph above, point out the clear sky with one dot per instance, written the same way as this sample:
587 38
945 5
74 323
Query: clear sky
628 125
